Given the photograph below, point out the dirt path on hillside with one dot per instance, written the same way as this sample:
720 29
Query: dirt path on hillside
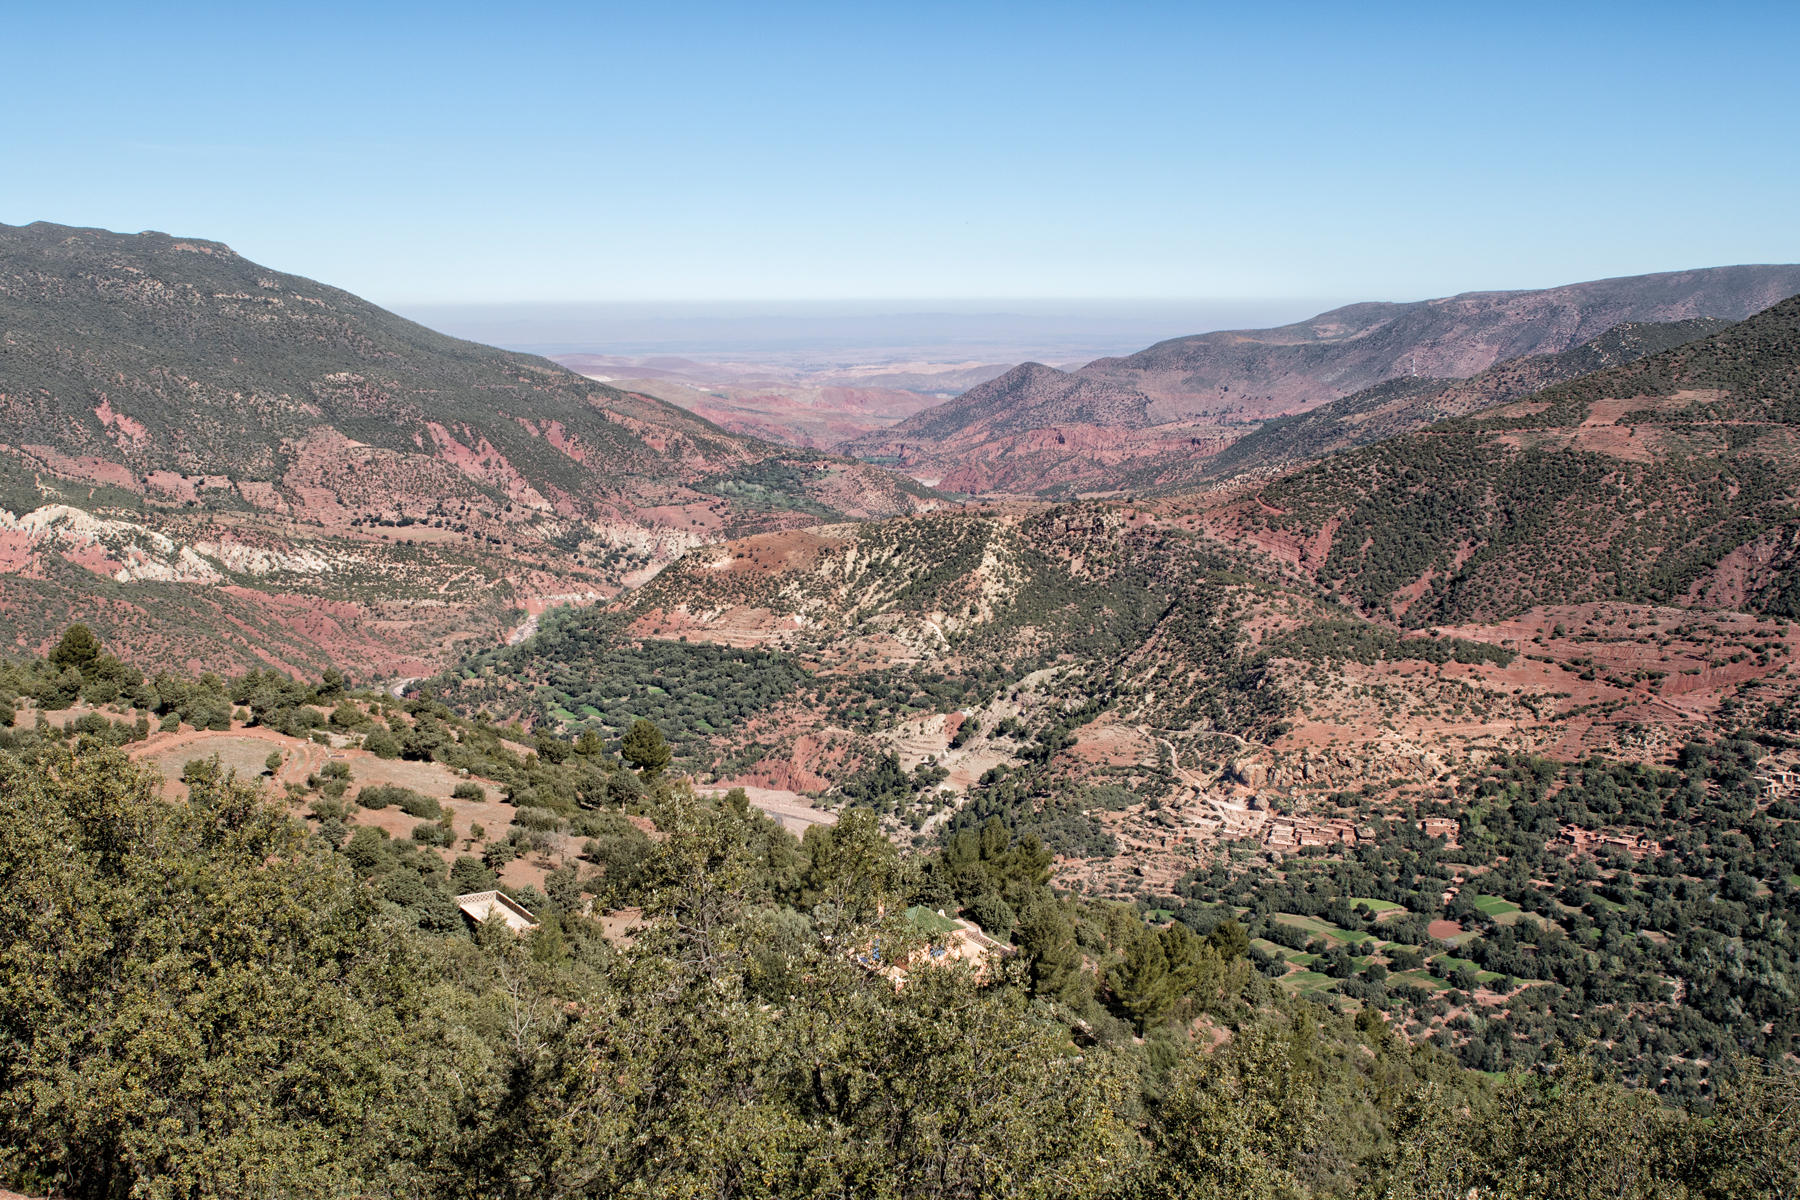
1188 777
242 750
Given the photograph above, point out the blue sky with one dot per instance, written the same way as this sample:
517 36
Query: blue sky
562 152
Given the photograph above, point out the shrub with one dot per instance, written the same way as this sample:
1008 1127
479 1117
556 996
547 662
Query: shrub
470 874
417 804
535 841
622 789
367 849
593 824
994 915
61 691
382 744
201 771
413 804
537 819
328 808
434 833
100 691
469 791
95 725
347 716
621 850
206 711
563 886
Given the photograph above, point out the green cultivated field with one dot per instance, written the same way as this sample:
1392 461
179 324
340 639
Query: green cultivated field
1493 906
1319 927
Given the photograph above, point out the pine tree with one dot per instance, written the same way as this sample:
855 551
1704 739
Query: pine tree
644 748
78 648
1141 983
1046 936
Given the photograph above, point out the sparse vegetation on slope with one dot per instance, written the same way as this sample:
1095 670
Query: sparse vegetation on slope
1634 483
1052 616
1411 402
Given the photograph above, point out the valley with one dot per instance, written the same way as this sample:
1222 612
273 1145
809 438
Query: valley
1208 697
814 408
900 602
1454 715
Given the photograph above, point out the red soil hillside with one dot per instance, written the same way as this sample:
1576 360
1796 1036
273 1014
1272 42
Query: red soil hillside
203 457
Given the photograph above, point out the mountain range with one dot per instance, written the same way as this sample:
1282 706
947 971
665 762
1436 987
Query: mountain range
1411 402
1608 565
1039 430
1669 480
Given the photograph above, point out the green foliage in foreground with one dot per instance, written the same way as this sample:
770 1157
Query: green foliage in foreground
202 1000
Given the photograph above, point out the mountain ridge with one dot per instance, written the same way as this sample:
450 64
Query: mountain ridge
1191 397
1665 480
1400 405
207 422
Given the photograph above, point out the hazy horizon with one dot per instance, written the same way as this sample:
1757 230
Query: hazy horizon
938 329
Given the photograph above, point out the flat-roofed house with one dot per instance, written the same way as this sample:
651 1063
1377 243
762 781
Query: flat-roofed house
479 906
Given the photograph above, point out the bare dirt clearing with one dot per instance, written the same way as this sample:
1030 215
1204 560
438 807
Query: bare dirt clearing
245 750
793 810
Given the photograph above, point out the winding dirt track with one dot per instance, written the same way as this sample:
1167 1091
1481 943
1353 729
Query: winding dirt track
243 750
